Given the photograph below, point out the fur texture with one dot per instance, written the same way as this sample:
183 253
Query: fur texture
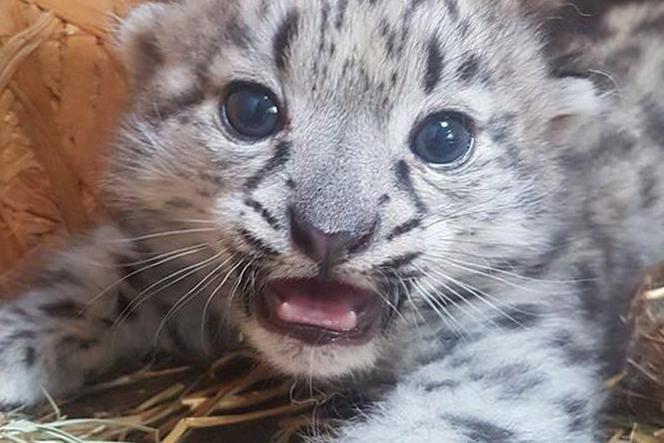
508 276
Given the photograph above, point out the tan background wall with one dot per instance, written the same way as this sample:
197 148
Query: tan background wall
61 90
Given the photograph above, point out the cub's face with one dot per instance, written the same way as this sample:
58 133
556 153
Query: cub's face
349 161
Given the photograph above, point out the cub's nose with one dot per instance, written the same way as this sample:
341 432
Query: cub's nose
328 247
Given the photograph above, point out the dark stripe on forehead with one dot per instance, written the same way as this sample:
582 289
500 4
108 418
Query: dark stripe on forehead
404 228
434 70
281 155
284 38
469 68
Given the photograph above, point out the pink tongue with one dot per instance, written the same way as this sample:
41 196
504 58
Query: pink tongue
324 312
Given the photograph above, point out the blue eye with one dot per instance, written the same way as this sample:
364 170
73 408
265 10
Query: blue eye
251 111
443 139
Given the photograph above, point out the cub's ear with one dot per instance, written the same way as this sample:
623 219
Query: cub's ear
573 102
576 95
137 42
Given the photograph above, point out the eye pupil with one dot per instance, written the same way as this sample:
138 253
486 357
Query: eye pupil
443 139
252 112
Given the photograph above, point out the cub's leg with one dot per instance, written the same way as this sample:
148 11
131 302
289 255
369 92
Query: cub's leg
65 327
533 376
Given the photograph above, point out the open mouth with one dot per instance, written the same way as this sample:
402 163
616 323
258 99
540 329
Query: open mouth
319 312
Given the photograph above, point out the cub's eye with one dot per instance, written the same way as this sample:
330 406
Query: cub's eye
443 139
251 111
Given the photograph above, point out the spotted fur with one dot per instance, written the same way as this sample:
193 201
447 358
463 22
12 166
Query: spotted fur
508 277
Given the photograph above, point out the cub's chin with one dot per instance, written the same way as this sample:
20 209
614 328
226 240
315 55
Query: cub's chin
316 329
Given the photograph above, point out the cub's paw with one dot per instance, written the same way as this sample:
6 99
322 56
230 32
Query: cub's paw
20 386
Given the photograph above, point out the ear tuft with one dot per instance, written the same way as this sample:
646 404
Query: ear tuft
137 43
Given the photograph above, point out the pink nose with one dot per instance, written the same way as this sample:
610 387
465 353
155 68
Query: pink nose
321 246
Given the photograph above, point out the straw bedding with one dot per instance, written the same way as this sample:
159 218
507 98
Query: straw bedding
61 90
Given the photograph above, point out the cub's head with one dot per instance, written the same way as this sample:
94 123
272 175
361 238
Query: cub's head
349 162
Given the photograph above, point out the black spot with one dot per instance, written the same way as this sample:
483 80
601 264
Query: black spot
576 409
435 59
54 277
648 189
284 38
64 309
469 69
481 431
514 379
281 156
539 266
500 127
444 385
30 356
341 13
325 13
573 352
453 9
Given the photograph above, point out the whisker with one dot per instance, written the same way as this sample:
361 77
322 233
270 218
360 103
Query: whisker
440 311
209 300
184 300
237 284
144 295
170 258
490 268
460 297
387 300
481 295
164 234
456 264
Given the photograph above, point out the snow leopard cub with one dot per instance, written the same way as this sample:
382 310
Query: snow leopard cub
402 190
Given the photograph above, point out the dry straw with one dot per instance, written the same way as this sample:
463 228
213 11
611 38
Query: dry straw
61 90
